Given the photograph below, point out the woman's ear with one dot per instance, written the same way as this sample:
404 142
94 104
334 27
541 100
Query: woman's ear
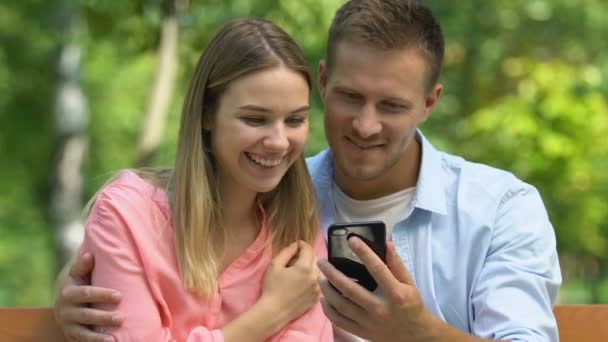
206 123
206 140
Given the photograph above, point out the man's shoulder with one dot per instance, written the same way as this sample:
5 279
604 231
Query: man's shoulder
442 171
318 161
320 167
482 179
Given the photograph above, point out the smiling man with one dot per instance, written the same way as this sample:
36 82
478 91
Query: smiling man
472 254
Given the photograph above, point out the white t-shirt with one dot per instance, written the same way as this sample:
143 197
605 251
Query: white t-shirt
389 209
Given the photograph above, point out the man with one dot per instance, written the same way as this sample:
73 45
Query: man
472 254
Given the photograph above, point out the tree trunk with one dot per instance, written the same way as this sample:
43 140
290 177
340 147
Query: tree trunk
71 120
158 104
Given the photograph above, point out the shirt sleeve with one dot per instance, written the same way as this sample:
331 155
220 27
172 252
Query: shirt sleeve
110 237
313 325
518 284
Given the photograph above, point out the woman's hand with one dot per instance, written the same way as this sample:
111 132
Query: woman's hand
291 282
291 286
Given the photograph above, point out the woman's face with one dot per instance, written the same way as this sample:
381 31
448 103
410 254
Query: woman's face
260 129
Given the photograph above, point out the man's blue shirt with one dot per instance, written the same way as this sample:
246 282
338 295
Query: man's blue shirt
477 241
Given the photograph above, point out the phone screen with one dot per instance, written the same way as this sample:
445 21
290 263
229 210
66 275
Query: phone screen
373 233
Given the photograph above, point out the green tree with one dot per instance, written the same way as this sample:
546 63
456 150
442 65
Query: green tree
525 90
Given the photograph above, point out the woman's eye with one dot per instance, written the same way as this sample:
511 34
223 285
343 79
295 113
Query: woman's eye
295 121
254 121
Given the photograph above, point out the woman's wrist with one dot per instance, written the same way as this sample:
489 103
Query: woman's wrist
261 321
273 314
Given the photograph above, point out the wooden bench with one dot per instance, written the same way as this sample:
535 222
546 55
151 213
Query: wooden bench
577 323
28 325
582 323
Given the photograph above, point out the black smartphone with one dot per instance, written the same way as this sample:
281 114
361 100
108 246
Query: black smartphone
373 233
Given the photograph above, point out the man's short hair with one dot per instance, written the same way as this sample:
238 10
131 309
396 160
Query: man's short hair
388 25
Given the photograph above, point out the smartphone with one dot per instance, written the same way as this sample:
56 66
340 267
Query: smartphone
373 233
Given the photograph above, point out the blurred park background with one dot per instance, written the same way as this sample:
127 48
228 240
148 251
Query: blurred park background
88 87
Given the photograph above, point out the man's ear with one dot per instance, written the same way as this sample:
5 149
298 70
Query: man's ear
431 100
322 78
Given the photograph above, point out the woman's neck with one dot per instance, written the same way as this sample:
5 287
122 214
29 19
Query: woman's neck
240 220
239 208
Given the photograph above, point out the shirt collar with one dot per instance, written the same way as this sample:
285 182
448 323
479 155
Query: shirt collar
431 188
321 169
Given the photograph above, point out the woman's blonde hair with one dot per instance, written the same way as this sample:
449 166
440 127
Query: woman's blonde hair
240 47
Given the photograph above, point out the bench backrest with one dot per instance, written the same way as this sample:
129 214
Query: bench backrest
28 325
582 323
577 323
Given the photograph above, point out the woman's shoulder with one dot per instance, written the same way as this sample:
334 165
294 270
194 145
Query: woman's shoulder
130 210
131 198
127 225
129 188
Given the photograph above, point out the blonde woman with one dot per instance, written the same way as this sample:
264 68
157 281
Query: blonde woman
223 246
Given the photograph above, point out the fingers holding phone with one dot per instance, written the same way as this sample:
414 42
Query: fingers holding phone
343 258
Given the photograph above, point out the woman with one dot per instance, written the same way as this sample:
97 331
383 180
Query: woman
219 248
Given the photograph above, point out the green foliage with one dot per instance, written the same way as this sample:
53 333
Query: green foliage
550 133
27 264
526 88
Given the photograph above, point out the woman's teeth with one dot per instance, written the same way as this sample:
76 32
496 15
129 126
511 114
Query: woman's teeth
264 161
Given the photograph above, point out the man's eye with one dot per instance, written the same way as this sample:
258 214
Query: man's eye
352 97
393 107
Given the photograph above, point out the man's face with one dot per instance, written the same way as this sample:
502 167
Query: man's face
374 101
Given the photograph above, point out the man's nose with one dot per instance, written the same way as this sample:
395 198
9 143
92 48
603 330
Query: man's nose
366 124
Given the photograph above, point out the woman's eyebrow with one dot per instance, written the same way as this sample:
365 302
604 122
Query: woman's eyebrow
255 108
301 109
261 109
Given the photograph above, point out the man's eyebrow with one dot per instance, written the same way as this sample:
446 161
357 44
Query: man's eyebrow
260 109
342 88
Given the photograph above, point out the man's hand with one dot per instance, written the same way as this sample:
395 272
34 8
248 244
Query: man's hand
74 296
394 312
